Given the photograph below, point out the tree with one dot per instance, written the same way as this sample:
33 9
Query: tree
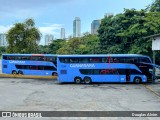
2 50
124 32
55 45
88 44
23 38
155 6
43 49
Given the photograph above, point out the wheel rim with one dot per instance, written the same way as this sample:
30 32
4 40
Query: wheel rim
137 80
20 73
87 80
54 74
14 73
78 81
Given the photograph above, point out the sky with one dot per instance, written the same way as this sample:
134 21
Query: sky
51 15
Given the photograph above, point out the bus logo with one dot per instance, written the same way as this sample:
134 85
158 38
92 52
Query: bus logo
21 62
82 65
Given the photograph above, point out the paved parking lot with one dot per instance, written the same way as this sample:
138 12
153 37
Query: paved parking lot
31 94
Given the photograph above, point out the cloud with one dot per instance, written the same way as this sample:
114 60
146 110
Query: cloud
4 29
9 5
23 8
50 28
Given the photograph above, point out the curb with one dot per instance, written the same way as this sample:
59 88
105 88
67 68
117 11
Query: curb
27 76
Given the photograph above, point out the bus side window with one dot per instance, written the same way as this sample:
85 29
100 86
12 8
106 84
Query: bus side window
96 72
9 58
122 71
105 60
144 60
121 60
40 67
84 60
25 58
66 60
62 60
33 58
103 72
4 66
41 58
116 60
73 60
5 57
95 60
18 58
33 67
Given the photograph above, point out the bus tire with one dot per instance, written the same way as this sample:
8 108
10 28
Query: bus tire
87 80
77 80
54 74
20 73
14 72
137 80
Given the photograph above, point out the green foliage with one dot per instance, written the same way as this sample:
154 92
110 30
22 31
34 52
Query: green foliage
155 6
2 50
43 49
124 33
56 45
88 44
23 38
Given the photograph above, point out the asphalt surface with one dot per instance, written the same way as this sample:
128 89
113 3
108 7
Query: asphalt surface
49 95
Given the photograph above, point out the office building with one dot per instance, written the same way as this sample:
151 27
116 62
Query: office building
3 40
77 27
95 26
48 39
62 33
108 15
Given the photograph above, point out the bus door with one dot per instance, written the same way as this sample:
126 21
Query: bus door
128 75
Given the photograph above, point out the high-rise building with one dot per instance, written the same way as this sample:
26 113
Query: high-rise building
62 33
95 26
77 27
3 40
48 39
108 14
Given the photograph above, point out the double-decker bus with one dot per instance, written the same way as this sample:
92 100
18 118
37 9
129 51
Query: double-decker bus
29 64
104 68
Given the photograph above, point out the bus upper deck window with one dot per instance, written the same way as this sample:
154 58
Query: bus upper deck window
95 60
146 60
116 60
84 60
73 60
5 57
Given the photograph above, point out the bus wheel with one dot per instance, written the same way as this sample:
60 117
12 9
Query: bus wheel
14 72
77 80
137 80
54 74
20 72
87 80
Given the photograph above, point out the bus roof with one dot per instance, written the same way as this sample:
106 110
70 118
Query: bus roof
30 54
104 55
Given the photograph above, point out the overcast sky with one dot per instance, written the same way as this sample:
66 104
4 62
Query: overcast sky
51 15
